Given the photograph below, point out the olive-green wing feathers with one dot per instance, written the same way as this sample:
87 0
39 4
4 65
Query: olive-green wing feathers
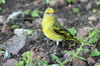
58 28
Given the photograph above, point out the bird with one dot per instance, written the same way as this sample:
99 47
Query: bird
53 30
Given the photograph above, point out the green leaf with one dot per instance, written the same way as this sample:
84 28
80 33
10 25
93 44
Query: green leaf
94 33
72 31
69 1
26 12
35 13
86 50
2 1
94 10
98 2
95 53
24 59
81 39
44 63
14 26
29 32
76 10
81 58
20 63
46 1
70 52
57 59
93 40
2 51
97 65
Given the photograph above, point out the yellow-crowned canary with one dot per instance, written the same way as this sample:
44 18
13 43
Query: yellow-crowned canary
53 29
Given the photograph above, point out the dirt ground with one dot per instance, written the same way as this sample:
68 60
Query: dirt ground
37 43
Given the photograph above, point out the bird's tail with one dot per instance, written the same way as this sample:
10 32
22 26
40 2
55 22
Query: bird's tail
76 40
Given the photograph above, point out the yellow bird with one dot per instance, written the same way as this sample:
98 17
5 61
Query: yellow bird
53 29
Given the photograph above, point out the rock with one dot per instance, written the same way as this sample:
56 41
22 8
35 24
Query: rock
84 1
55 65
89 6
17 42
90 61
37 34
10 62
37 23
2 19
92 18
78 62
56 3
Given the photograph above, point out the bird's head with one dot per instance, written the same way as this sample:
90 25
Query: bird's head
49 11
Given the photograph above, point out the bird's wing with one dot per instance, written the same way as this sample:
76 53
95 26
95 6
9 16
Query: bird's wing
58 28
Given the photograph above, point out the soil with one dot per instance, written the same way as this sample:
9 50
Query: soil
39 45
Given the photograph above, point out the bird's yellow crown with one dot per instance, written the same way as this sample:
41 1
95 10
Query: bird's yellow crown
49 10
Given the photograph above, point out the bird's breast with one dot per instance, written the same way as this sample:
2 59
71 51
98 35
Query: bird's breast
50 33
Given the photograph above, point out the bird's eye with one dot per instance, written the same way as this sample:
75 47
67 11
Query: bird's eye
50 13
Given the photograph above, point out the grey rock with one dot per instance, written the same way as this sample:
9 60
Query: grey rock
84 1
17 42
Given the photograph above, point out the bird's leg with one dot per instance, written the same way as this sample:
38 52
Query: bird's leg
57 43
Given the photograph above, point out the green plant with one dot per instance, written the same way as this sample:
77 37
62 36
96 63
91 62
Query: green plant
29 32
21 63
14 26
95 53
76 10
88 41
2 1
94 10
27 59
26 12
35 13
1 51
46 1
98 2
69 1
72 31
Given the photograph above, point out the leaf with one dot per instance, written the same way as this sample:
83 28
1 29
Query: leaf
76 10
29 32
2 51
2 1
94 10
26 12
95 53
98 2
56 58
81 39
20 63
44 62
94 33
70 52
72 31
46 1
35 13
93 40
14 26
86 50
81 58
69 1
97 65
